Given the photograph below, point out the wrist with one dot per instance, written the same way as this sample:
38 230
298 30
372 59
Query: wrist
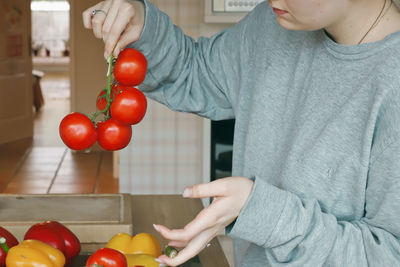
140 13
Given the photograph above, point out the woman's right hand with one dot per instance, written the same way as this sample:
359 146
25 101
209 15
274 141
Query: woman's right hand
121 23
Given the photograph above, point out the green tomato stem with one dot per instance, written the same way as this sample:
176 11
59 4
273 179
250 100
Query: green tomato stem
4 244
170 251
94 116
106 110
108 88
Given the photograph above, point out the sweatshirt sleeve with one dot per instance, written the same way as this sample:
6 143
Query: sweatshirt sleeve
198 77
297 232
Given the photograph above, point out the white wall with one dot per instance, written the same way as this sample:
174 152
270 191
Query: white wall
170 150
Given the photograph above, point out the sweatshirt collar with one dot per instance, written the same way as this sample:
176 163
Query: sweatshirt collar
358 51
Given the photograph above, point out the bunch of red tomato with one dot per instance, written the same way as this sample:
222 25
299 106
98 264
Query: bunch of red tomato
121 104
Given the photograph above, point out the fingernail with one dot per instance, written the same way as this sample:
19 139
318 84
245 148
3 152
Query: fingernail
187 192
155 227
105 55
160 262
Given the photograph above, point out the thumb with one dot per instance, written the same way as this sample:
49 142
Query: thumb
133 29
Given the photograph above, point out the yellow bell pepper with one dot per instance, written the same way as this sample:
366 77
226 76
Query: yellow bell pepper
143 243
34 253
141 260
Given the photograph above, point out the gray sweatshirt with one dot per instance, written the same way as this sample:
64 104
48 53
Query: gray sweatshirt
317 128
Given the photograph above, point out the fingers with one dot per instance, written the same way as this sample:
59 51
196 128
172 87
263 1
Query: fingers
87 15
110 18
194 247
119 25
229 195
131 34
98 20
133 29
204 220
177 244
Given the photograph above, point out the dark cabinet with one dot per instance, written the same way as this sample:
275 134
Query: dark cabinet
222 133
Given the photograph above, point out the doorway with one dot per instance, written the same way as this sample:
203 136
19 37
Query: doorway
44 165
51 63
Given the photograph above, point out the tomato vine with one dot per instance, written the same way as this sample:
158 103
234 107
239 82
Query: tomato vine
120 104
106 110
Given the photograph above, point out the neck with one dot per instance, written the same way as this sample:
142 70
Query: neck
361 22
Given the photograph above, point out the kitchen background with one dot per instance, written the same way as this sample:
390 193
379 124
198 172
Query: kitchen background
169 150
172 150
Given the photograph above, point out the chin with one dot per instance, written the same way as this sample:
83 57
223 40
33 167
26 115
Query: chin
287 25
294 26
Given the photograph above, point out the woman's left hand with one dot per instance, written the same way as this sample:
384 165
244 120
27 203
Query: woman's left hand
230 194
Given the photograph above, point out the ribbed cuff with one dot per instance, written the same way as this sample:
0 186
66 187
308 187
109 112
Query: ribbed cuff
149 28
260 215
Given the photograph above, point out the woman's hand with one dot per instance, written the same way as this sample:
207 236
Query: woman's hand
121 23
230 194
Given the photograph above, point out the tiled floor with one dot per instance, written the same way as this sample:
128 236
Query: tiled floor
48 170
45 166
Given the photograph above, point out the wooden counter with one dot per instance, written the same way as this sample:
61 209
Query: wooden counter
95 218
174 212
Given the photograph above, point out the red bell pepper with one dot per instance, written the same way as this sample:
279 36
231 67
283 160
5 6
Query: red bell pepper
10 241
56 235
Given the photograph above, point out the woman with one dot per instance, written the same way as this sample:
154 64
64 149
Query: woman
314 86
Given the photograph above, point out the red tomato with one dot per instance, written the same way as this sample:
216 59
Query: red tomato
10 241
101 101
113 135
107 257
46 234
77 131
129 107
130 68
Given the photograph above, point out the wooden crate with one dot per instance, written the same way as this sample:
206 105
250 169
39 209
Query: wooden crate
94 218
